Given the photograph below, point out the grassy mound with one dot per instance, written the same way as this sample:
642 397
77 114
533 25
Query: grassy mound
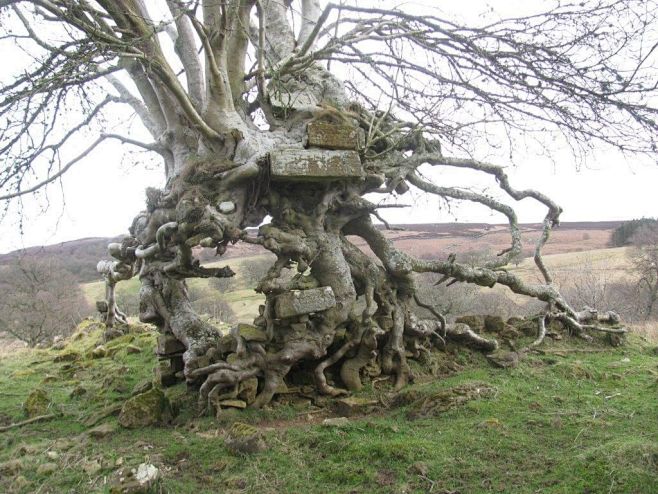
572 419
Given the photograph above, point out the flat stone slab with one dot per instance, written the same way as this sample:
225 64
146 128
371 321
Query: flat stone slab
314 164
298 302
332 136
168 344
251 333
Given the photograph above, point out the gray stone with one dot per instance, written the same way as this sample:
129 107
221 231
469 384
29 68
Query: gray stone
47 468
504 359
99 352
354 406
336 422
244 439
142 387
475 322
251 333
67 357
165 375
332 136
37 403
146 409
147 475
233 404
92 467
226 207
314 164
102 430
168 344
298 302
248 390
494 324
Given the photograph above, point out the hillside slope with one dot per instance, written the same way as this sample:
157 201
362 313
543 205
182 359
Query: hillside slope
569 419
81 256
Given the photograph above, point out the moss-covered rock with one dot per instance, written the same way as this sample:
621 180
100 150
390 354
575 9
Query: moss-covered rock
146 409
99 352
69 356
475 322
494 324
37 403
242 439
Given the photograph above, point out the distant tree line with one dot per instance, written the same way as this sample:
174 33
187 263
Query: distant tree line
623 234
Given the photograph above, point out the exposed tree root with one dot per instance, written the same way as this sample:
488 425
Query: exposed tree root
40 418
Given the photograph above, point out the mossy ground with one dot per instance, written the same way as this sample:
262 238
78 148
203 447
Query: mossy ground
577 419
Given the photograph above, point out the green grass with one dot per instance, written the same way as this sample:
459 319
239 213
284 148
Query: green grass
563 422
242 299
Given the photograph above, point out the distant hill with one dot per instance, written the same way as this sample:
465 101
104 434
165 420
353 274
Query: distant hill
79 257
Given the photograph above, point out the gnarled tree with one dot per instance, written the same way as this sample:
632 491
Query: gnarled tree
298 111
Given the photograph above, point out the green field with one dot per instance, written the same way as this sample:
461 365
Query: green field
573 419
242 299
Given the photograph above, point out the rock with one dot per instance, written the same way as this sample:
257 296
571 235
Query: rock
248 390
47 468
130 349
516 321
103 430
37 403
297 302
168 344
67 357
494 324
147 475
331 136
252 333
78 391
136 481
292 164
91 467
226 207
348 407
243 439
146 409
58 345
10 467
233 404
99 352
165 375
504 359
336 422
475 322
52 455
142 387
511 333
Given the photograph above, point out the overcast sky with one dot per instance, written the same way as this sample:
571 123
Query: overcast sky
100 196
